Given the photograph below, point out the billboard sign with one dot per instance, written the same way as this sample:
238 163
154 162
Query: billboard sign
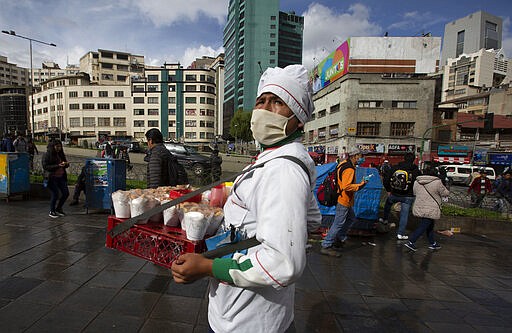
446 150
332 68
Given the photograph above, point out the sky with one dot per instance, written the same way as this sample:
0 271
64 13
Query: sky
171 31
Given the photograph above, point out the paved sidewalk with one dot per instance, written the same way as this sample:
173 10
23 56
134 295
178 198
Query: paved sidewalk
57 276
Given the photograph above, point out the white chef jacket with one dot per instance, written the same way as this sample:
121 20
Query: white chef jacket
255 292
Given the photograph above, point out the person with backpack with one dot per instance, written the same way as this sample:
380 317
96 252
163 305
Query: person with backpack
255 291
20 144
345 216
160 171
215 164
429 191
399 185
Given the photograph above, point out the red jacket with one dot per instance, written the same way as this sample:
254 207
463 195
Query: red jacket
476 185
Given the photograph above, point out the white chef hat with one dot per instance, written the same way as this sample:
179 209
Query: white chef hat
291 84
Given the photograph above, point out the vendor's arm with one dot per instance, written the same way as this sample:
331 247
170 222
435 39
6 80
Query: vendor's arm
345 182
190 267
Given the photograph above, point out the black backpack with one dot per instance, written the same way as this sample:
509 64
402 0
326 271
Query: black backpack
401 180
329 191
177 172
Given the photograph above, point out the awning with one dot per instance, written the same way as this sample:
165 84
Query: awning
445 159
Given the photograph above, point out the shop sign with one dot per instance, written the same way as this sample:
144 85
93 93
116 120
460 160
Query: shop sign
401 149
332 150
371 147
447 150
500 159
480 157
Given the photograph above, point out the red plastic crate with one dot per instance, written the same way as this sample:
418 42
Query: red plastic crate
155 242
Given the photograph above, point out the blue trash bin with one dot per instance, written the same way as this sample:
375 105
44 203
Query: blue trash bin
14 174
103 177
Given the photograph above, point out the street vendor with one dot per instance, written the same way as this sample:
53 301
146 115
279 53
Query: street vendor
254 292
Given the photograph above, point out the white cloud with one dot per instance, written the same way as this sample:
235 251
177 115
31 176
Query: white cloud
167 12
324 30
506 43
191 54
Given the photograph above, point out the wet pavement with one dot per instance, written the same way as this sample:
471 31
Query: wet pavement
57 276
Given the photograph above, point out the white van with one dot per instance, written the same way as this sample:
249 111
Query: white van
461 173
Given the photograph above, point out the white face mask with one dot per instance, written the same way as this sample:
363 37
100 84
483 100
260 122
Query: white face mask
268 127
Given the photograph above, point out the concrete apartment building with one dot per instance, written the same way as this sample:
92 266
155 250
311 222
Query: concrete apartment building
50 70
106 67
256 36
469 34
12 74
378 98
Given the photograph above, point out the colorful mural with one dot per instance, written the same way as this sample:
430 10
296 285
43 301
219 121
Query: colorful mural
332 68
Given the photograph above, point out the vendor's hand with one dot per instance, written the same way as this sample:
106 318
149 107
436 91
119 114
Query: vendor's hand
190 267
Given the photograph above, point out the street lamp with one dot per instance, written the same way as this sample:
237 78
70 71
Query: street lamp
13 33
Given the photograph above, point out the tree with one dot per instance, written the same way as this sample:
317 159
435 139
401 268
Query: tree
240 126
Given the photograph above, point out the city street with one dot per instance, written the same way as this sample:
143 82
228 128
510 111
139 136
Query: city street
57 276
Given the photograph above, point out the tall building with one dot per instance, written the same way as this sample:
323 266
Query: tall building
256 36
11 74
469 34
50 70
13 108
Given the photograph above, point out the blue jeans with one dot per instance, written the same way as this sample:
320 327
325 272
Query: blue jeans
343 220
426 225
405 207
56 184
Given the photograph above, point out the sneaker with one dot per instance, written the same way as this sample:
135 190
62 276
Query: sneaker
381 220
411 246
53 215
59 212
73 203
402 237
329 251
435 246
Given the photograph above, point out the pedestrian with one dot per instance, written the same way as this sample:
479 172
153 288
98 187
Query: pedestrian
159 161
254 292
109 151
504 192
79 187
20 144
429 191
54 166
480 186
344 216
215 164
7 145
385 168
124 155
399 185
31 150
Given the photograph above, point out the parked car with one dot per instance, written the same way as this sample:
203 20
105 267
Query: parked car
189 158
459 174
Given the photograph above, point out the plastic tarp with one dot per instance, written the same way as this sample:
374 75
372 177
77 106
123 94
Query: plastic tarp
366 200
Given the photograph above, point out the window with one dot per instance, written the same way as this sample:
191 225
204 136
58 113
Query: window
190 100
190 123
87 93
403 104
190 77
491 35
107 65
88 106
321 113
152 100
103 93
74 122
73 82
89 121
460 43
152 112
73 94
172 100
210 101
119 122
138 88
190 135
103 106
138 112
272 26
190 112
368 129
119 106
402 129
103 121
152 87
368 104
190 87
119 93
138 100
138 123
152 78
152 123
334 108
172 112
74 106
172 87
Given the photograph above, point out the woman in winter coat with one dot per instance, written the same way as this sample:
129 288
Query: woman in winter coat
429 191
54 166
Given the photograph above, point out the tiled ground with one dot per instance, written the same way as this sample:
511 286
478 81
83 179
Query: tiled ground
57 276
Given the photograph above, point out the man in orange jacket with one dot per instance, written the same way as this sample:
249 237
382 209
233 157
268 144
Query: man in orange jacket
345 216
